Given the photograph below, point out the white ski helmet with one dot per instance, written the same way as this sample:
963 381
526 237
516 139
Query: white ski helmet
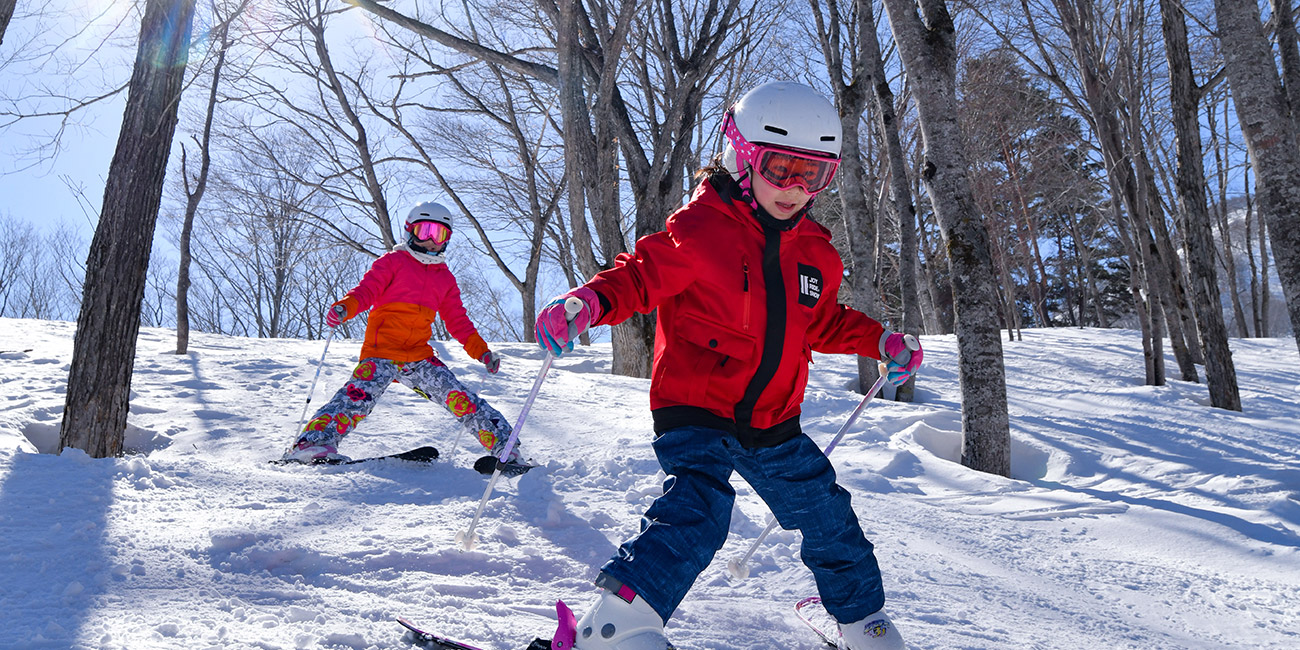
780 114
429 211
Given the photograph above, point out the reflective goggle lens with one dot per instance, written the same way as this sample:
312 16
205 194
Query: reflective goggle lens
785 170
431 230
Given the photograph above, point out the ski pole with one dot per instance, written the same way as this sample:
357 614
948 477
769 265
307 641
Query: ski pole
456 445
739 567
311 391
466 538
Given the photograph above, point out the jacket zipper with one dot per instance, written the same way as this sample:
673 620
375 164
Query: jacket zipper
745 321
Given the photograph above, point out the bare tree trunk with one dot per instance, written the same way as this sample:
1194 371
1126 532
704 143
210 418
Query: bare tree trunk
1221 211
592 170
103 355
862 228
927 44
6 14
1078 20
1088 283
1265 294
194 195
1198 238
1288 54
1008 295
579 149
900 194
1036 276
1163 277
1270 138
851 97
934 323
1173 297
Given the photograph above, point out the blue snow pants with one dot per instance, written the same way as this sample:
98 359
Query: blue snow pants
685 527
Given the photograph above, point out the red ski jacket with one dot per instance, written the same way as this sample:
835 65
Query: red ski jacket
406 295
741 309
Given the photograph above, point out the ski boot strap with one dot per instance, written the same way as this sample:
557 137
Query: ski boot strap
615 586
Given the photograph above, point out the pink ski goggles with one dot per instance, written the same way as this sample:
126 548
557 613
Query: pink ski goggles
433 231
783 168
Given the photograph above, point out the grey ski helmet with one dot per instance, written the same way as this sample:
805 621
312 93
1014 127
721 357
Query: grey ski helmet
429 211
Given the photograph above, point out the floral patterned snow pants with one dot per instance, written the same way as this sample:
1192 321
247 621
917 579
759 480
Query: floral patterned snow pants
430 378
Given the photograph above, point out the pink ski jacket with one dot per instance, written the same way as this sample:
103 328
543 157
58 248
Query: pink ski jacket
403 296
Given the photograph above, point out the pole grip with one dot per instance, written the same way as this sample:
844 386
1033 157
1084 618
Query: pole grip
912 345
572 305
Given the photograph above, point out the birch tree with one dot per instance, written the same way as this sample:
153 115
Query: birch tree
927 43
1270 133
1198 238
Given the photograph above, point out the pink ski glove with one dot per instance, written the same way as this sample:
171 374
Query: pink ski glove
337 314
902 356
555 331
492 361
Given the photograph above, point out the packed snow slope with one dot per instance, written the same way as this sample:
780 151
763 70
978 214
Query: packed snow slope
1136 516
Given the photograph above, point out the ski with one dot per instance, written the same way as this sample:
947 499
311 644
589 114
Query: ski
421 639
417 455
488 464
814 616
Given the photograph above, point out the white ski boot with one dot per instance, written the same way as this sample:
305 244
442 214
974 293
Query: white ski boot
615 623
875 632
312 453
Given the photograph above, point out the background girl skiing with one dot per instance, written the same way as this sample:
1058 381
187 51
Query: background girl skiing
405 289
745 284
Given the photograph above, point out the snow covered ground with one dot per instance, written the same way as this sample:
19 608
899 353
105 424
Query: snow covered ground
1137 517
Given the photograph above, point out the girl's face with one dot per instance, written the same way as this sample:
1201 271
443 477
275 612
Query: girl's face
781 204
428 246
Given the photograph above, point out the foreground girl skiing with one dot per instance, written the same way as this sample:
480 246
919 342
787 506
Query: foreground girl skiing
745 284
406 288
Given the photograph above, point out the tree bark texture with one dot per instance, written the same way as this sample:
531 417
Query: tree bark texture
1288 54
6 14
1198 238
1270 138
103 355
927 45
